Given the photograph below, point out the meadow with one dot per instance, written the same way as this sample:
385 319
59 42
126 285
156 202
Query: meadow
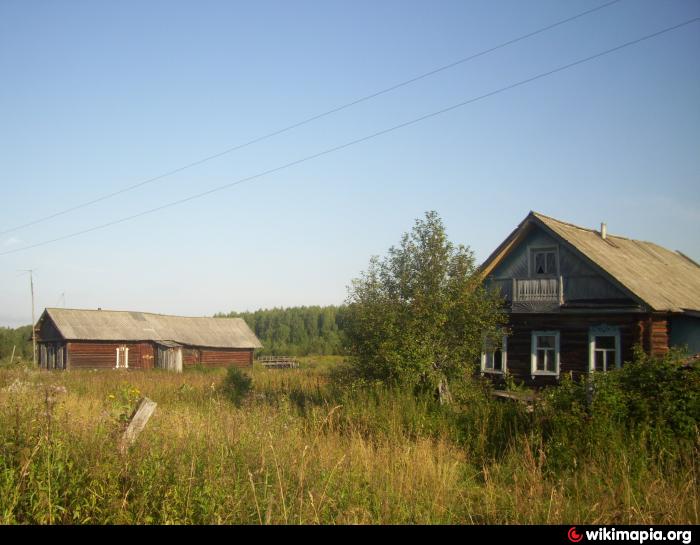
305 446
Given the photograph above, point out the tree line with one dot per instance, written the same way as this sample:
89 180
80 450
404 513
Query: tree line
297 331
20 339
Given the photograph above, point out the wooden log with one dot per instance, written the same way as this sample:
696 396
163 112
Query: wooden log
139 418
523 397
527 399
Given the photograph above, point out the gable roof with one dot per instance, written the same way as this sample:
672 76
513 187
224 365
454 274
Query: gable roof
117 325
661 279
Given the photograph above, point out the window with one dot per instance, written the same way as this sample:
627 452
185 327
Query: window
544 353
544 262
494 355
122 357
604 348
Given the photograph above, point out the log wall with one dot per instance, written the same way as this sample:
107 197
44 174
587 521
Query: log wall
650 331
226 357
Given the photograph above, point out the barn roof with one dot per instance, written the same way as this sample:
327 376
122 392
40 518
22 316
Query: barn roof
662 279
117 325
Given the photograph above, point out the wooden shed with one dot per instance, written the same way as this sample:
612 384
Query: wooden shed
108 339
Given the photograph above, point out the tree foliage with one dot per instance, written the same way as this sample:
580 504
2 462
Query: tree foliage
296 331
419 315
20 339
651 393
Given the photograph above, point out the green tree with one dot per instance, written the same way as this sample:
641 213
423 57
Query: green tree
19 340
296 330
419 315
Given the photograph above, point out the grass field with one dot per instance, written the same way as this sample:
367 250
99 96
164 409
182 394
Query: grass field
300 449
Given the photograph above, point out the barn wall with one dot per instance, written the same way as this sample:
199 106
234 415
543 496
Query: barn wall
654 331
102 355
650 331
226 357
190 356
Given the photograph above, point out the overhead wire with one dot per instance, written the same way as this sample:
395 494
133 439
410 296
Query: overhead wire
307 120
361 139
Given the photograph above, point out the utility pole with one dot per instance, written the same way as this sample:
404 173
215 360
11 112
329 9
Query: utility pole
31 287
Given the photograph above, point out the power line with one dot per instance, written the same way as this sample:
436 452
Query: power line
309 119
360 140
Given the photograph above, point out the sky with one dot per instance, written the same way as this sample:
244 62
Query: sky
98 96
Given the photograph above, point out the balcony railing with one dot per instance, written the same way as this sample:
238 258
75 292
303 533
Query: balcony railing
528 290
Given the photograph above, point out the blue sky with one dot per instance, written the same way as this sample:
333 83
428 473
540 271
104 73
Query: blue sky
96 96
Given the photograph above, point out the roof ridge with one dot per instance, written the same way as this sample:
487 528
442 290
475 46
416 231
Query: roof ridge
692 261
142 312
591 230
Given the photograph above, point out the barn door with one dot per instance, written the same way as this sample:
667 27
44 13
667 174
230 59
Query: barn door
161 362
60 357
170 358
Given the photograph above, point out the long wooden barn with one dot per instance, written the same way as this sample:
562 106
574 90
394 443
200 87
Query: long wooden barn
108 339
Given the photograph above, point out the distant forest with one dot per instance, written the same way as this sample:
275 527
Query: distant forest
296 331
21 338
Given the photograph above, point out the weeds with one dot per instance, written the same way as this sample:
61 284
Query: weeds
299 448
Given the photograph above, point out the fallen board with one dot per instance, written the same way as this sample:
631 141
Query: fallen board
139 418
526 398
279 362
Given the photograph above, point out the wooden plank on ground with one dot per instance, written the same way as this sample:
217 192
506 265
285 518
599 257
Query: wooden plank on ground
139 419
524 397
527 399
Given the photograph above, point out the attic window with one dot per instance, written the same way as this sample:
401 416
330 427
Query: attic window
544 262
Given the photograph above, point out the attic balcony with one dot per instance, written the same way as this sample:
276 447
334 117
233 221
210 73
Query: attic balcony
539 290
536 294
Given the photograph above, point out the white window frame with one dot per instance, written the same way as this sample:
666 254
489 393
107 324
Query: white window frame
125 351
533 354
504 358
603 330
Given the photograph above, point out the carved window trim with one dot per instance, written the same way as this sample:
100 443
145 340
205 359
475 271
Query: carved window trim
533 354
123 362
603 330
504 357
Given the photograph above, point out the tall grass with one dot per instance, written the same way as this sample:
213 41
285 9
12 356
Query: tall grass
299 449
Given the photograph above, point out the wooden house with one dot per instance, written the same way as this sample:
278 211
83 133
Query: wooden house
579 300
91 339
